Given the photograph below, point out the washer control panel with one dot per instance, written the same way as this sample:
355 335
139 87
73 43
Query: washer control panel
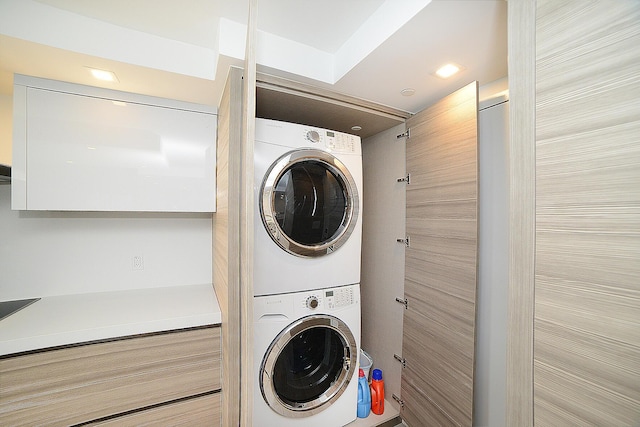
338 297
327 299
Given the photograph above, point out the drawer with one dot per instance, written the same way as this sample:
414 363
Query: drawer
83 383
198 411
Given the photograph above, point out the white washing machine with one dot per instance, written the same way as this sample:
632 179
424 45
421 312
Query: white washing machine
308 222
306 358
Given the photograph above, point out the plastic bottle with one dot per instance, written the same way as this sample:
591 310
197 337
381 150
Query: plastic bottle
364 396
377 392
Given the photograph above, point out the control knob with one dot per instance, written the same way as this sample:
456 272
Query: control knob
312 302
313 136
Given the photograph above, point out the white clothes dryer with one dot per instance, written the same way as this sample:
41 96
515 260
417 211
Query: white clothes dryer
308 208
306 348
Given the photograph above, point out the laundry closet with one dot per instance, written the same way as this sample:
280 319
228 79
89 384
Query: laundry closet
424 334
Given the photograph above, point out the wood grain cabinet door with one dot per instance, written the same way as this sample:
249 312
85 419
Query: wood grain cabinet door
198 411
441 262
586 326
79 384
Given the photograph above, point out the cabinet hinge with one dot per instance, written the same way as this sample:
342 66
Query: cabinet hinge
406 241
403 302
406 179
406 134
397 399
401 360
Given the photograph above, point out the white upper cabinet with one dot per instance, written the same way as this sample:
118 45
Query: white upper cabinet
80 148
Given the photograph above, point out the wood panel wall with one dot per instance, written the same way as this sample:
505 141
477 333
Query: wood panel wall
521 42
247 209
587 269
226 241
441 262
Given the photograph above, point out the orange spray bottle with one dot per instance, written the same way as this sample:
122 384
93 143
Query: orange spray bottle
377 392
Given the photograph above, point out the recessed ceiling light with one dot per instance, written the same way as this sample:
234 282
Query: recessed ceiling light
104 75
356 128
447 70
408 91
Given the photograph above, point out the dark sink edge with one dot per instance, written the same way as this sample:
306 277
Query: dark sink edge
7 308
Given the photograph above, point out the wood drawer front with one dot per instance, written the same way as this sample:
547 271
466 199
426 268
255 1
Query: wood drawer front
79 384
199 411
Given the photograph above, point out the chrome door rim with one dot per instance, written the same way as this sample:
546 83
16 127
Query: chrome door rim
266 204
305 409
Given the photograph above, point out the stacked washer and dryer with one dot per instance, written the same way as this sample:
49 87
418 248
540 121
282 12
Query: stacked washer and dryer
308 183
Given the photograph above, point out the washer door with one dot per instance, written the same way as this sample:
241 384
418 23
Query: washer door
309 203
308 366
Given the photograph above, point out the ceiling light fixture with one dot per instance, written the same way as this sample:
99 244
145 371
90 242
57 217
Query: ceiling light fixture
408 91
104 75
356 128
447 70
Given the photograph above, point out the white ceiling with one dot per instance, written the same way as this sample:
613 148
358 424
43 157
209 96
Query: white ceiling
371 49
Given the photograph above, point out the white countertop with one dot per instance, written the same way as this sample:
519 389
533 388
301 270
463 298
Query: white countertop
71 319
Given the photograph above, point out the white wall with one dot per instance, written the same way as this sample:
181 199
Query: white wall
493 267
6 106
60 253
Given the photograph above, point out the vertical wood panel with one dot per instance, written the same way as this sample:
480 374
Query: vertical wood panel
383 161
521 35
441 263
587 311
226 238
247 209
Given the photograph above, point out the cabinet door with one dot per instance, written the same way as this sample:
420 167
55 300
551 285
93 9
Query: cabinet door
197 411
441 262
586 318
75 385
94 154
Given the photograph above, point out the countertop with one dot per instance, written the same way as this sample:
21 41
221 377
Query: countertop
71 319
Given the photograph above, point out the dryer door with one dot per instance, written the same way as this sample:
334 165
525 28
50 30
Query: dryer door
308 366
309 203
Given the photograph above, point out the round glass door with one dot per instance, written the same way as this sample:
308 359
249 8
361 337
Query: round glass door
308 366
309 203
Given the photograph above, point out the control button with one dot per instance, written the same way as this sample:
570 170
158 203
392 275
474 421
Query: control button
312 302
313 136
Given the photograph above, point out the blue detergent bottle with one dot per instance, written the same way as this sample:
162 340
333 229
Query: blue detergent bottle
364 396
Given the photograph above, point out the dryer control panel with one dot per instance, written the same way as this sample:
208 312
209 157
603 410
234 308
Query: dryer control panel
334 141
298 136
342 142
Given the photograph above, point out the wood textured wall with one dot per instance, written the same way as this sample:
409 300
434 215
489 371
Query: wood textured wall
226 240
521 35
441 262
247 209
587 270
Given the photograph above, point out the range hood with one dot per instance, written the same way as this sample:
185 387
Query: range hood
5 173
